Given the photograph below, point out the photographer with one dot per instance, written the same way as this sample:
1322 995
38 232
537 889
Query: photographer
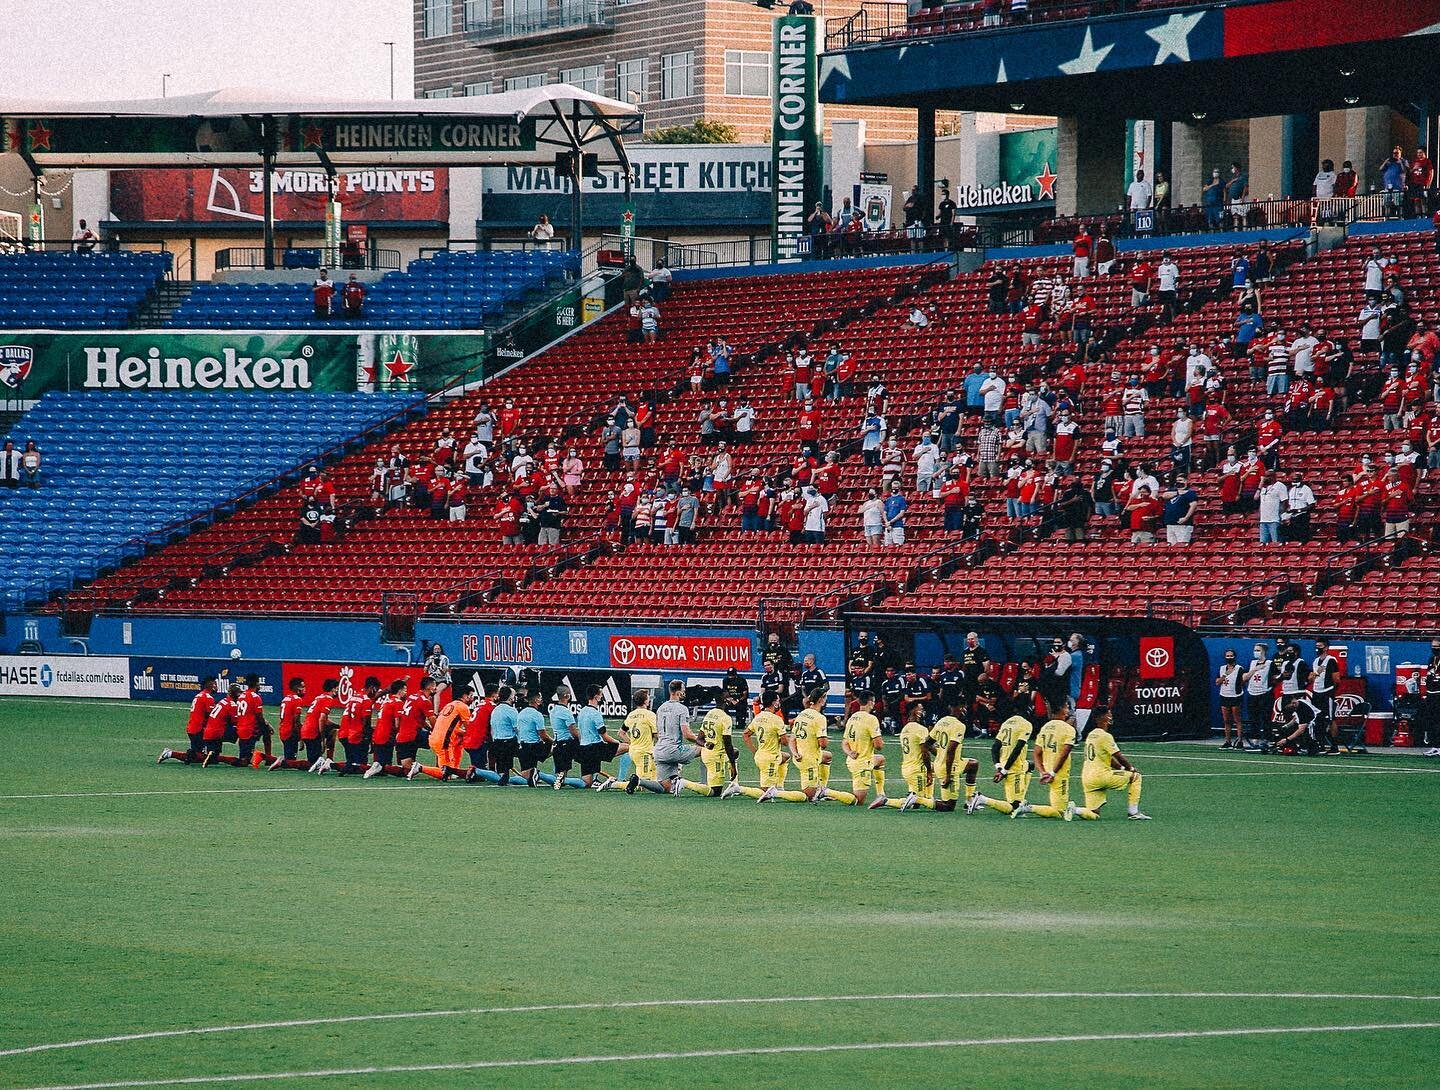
1302 726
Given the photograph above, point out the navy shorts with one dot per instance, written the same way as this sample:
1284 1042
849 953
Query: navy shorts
405 751
595 755
564 755
532 754
384 752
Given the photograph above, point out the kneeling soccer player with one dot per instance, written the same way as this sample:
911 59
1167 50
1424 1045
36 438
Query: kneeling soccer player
200 708
674 740
292 710
251 724
809 742
382 738
354 733
640 737
596 745
947 767
220 727
768 739
861 743
447 739
1106 769
315 727
1054 743
717 754
1012 765
530 733
564 742
916 750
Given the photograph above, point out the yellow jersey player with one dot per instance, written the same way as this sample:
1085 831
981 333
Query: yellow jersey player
861 742
1012 765
767 737
947 767
1054 743
809 749
915 751
717 754
640 730
1107 769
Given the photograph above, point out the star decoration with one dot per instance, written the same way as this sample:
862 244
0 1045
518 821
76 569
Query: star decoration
837 65
627 216
1089 60
368 373
1046 180
399 367
40 137
1173 37
13 136
312 136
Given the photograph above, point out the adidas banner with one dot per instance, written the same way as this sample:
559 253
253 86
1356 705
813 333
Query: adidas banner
614 685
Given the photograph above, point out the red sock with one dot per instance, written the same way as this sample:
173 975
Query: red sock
393 770
226 758
436 773
299 766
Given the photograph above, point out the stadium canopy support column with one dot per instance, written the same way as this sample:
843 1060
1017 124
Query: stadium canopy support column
1090 149
1187 163
925 158
267 170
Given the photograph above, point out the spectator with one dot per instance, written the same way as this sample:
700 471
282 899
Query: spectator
572 473
1395 505
29 464
926 457
610 439
1167 284
945 220
1104 254
84 239
914 207
894 521
816 507
630 445
455 498
1374 272
1181 504
632 281
1299 501
542 232
1212 199
660 280
1081 249
1272 498
649 321
1324 184
1140 194
323 291
1393 172
1074 509
818 226
9 465
1237 188
1144 512
687 516
1142 273
997 288
1133 400
992 390
1162 199
353 298
1182 433
987 450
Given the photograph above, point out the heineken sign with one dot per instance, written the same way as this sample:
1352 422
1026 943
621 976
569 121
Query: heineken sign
795 148
228 369
417 134
991 196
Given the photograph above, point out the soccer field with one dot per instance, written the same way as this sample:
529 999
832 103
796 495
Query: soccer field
1273 926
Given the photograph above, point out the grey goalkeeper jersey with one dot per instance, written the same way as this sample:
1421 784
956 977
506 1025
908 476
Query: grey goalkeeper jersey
671 717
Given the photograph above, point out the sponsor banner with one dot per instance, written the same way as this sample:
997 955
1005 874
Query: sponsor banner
1157 657
32 364
795 147
615 686
412 134
238 196
874 199
419 361
179 679
1160 705
65 675
680 652
655 168
351 678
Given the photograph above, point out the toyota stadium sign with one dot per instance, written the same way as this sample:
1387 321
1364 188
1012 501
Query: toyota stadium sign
680 652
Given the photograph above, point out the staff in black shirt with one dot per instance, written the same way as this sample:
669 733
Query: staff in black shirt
892 693
735 696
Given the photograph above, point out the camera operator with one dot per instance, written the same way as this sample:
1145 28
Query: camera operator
1301 727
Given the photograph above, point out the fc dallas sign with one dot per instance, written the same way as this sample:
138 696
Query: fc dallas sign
680 652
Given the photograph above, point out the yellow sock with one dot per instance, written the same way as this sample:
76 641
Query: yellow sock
824 775
791 796
970 790
996 804
894 804
880 781
925 802
751 792
1133 795
840 796
1087 813
696 786
1047 811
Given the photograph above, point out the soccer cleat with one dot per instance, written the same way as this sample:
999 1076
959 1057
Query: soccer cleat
632 783
1138 816
326 764
374 770
731 790
277 763
412 771
205 760
1021 809
559 781
165 755
603 784
819 795
677 785
909 803
316 766
1069 811
974 802
880 800
768 795
1225 744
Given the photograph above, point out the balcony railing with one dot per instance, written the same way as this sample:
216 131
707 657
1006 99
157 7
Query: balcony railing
508 22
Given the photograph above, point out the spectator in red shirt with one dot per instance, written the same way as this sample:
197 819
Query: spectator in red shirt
324 292
509 419
1143 512
353 297
1081 248
1418 180
1141 275
953 494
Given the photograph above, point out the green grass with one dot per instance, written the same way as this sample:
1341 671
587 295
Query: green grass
202 901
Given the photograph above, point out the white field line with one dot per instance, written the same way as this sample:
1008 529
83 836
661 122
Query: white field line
723 1053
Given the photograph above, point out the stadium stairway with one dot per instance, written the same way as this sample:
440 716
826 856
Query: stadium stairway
562 393
124 472
64 290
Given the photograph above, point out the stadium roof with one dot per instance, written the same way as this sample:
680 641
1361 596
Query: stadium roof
232 126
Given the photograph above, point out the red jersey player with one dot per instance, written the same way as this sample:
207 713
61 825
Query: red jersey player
316 725
417 715
355 731
250 723
194 726
220 725
292 710
382 738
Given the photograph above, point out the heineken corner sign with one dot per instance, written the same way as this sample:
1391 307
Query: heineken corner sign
795 131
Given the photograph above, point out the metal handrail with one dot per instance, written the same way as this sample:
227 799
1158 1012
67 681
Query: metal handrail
253 257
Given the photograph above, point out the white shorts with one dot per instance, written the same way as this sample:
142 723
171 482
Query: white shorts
895 535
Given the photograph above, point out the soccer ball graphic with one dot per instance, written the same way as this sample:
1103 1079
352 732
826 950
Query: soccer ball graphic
235 652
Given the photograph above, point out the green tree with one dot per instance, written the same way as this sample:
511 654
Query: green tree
704 131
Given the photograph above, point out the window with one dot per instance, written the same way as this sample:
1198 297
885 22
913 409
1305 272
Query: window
588 78
632 80
524 16
474 89
437 18
520 83
677 75
440 92
747 74
478 14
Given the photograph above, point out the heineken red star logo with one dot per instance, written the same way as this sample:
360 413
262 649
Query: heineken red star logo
40 137
369 373
628 216
399 367
13 136
313 137
1046 180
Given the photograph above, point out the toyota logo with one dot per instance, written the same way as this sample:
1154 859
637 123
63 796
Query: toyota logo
1157 658
623 652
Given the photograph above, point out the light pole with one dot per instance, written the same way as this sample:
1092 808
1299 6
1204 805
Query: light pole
165 85
391 47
